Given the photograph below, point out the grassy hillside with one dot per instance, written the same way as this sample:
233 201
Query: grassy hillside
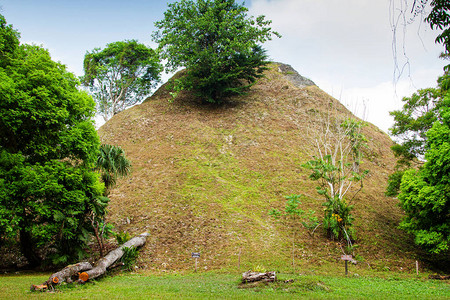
204 178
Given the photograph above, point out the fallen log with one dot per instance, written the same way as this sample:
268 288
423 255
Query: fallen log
256 276
75 272
112 257
66 274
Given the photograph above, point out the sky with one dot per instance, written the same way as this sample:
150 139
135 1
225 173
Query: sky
345 47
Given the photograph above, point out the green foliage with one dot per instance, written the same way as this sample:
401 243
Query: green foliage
112 163
356 141
425 194
292 209
9 41
218 44
439 18
311 222
338 220
394 181
120 75
122 237
337 168
411 124
413 121
292 206
259 269
275 213
292 212
424 121
129 257
48 149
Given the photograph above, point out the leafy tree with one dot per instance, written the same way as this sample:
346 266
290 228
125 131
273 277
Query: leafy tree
413 121
217 43
425 194
420 110
411 124
9 41
336 167
48 148
120 75
439 18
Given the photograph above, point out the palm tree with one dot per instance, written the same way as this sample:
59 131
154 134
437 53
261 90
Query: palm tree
112 164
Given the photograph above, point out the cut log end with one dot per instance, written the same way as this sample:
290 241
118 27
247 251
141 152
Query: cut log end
41 288
83 276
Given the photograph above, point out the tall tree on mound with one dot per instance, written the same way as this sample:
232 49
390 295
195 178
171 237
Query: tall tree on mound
48 149
217 43
120 75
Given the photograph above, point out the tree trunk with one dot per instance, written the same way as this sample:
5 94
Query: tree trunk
255 276
72 273
112 257
67 273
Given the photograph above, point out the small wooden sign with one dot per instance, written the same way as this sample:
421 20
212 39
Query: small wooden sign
195 255
346 258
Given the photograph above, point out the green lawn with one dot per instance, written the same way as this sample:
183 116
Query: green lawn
226 286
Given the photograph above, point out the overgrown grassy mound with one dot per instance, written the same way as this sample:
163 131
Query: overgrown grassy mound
205 177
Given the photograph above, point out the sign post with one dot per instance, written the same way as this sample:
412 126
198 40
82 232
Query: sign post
346 258
196 255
